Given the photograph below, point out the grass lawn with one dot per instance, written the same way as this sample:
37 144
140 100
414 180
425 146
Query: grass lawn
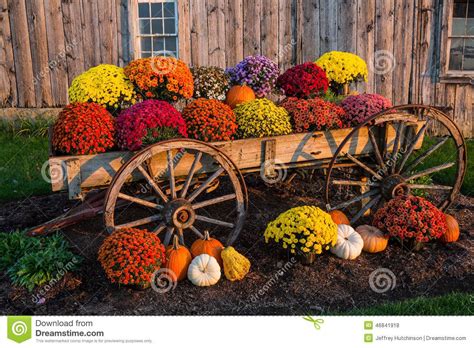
451 304
21 159
447 154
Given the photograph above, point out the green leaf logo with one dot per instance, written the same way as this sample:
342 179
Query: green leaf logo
316 322
19 328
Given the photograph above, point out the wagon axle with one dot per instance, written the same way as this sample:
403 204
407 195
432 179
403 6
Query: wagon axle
179 213
393 186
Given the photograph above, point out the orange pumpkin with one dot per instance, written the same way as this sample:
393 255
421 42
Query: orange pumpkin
452 233
339 217
374 239
178 259
208 246
239 94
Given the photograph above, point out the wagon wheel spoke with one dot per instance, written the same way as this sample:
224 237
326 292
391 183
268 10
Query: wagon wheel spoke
423 156
140 222
171 173
429 187
160 228
396 145
152 183
365 208
430 171
213 201
140 201
196 231
169 234
205 184
214 221
354 183
363 166
189 178
410 149
356 199
181 236
375 145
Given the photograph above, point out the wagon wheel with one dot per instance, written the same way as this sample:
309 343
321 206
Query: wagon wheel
179 195
395 166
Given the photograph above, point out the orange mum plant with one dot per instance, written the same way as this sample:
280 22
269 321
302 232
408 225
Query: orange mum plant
129 256
164 78
210 120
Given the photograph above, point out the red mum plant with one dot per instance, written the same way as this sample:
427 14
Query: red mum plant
360 107
412 218
129 256
305 80
83 129
210 120
148 122
313 114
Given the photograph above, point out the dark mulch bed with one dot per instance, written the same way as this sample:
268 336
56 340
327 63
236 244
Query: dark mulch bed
273 286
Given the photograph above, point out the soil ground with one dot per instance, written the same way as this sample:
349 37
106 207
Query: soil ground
275 285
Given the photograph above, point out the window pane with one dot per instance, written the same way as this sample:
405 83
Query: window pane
170 44
169 9
468 63
145 43
470 9
459 8
144 26
157 10
170 27
146 54
459 26
158 44
143 10
157 26
455 54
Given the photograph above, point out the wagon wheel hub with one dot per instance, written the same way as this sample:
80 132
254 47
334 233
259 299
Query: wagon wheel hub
393 186
179 213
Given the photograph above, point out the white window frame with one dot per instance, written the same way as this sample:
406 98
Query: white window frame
135 30
448 10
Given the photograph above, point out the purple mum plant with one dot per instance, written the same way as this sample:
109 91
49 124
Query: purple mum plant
360 107
257 72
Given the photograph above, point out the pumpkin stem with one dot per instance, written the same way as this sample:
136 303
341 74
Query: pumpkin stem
175 242
206 235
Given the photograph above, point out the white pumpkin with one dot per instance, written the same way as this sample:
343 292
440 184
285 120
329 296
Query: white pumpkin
204 270
349 243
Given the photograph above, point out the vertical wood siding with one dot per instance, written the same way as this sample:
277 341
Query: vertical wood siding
44 44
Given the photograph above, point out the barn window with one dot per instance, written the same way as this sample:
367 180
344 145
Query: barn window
157 28
461 38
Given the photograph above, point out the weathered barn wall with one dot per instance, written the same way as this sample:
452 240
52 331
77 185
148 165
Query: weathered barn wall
45 43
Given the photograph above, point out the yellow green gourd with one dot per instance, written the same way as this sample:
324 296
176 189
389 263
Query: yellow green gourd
236 265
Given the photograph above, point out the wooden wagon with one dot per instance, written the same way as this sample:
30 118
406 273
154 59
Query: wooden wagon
175 186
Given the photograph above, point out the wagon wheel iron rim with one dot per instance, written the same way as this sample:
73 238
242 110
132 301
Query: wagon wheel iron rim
395 170
177 211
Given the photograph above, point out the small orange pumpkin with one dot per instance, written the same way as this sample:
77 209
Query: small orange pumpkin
178 259
452 233
208 245
374 239
239 94
339 217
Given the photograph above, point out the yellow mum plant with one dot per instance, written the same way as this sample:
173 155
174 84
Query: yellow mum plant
343 67
305 229
261 118
104 84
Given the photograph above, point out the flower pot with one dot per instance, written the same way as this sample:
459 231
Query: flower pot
307 259
412 244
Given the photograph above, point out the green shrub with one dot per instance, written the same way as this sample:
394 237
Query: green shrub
13 246
32 262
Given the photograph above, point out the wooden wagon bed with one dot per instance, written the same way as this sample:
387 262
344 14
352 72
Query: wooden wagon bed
78 174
